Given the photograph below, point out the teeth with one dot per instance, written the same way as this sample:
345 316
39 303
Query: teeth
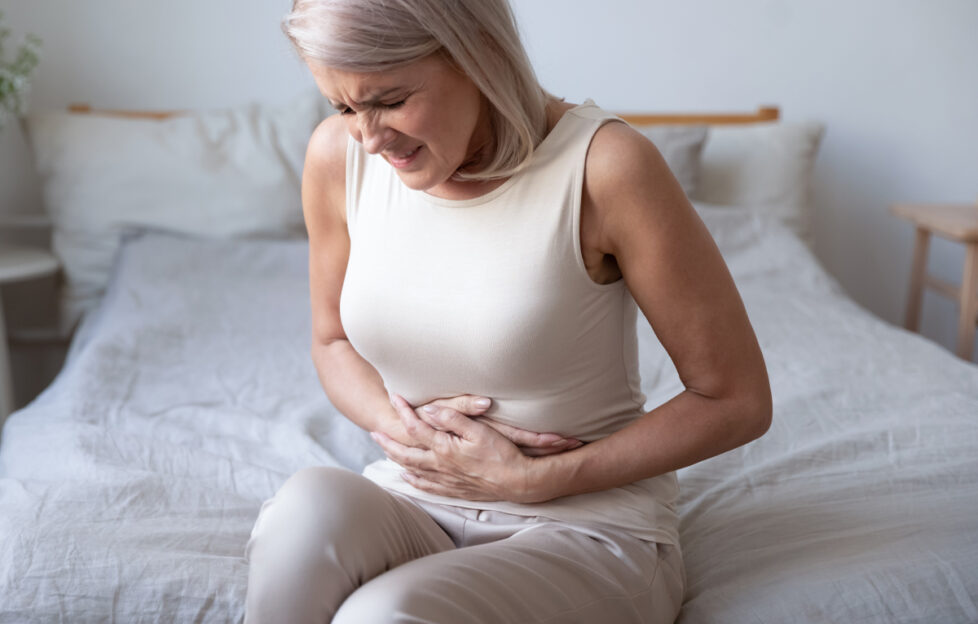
407 155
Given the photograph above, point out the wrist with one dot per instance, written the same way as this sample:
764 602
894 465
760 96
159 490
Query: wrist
386 421
538 479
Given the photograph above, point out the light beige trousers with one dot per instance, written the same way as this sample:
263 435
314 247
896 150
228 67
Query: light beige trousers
332 546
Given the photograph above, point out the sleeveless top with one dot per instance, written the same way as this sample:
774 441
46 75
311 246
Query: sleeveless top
490 296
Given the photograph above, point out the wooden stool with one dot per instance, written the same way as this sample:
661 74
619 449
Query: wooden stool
957 222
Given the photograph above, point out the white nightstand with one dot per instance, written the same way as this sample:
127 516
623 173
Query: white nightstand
17 263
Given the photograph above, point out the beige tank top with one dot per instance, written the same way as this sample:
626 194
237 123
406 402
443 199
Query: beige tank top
490 296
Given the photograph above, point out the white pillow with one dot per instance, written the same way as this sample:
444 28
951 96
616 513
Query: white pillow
764 166
223 173
681 147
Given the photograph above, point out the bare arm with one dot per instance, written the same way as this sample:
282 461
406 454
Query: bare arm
678 278
353 386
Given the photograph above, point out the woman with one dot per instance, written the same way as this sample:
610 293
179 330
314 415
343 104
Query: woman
477 248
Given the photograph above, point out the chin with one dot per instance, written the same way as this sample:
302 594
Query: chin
418 180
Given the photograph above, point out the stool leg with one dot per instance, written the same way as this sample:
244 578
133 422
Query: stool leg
915 298
968 303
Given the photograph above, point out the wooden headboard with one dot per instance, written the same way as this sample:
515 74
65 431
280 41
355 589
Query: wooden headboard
763 114
86 109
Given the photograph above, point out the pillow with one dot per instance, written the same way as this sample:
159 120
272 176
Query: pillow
681 147
224 173
763 166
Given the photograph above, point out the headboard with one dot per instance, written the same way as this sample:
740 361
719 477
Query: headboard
763 114
86 109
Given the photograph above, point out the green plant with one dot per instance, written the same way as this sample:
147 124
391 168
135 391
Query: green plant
15 74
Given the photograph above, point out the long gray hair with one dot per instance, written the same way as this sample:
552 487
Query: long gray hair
479 37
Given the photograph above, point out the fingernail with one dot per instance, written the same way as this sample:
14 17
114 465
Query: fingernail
431 409
561 442
374 436
483 402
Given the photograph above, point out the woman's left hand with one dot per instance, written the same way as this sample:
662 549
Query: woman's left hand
463 458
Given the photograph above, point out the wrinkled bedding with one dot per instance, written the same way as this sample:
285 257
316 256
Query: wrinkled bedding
128 489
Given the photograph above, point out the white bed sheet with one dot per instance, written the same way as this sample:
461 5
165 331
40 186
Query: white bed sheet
129 488
861 502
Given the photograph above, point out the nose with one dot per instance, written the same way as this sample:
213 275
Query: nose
374 134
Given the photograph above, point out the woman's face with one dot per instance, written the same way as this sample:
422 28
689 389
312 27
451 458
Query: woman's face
426 119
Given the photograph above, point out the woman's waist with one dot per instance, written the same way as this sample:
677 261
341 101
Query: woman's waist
587 418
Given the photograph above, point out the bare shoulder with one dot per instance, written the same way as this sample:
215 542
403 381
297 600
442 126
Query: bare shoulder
324 173
626 180
618 155
327 148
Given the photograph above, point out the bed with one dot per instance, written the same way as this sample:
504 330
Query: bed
129 488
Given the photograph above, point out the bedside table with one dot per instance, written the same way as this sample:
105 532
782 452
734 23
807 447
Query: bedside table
17 263
956 222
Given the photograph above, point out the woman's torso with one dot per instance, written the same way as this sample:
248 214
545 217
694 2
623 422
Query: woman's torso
491 296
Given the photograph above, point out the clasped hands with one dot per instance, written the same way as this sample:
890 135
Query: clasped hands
448 447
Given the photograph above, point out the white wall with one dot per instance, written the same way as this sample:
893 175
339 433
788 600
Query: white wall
893 80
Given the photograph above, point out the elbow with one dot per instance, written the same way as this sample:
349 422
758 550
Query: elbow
745 409
320 349
756 403
757 411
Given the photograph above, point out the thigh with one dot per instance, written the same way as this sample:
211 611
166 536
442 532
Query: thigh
324 533
547 573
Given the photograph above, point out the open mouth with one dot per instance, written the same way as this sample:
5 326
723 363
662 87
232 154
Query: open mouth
403 160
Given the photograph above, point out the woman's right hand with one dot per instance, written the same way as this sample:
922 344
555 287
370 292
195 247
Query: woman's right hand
531 443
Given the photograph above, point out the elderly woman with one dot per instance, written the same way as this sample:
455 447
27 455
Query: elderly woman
477 251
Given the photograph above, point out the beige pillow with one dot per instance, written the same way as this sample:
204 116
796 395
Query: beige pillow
767 167
225 173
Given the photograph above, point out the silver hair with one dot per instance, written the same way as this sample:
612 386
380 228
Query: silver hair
479 37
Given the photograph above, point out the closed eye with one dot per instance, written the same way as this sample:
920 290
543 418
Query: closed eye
393 106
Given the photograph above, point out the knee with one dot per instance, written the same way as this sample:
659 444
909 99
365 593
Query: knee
310 544
311 510
321 489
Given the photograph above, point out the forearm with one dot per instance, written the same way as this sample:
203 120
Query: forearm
355 387
681 432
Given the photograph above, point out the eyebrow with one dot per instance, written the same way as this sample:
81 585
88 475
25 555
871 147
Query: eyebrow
372 100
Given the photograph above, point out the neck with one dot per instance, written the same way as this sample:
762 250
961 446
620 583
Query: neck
481 144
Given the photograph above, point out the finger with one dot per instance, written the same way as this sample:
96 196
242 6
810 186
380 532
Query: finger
447 419
420 413
532 451
531 439
406 456
416 428
468 404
